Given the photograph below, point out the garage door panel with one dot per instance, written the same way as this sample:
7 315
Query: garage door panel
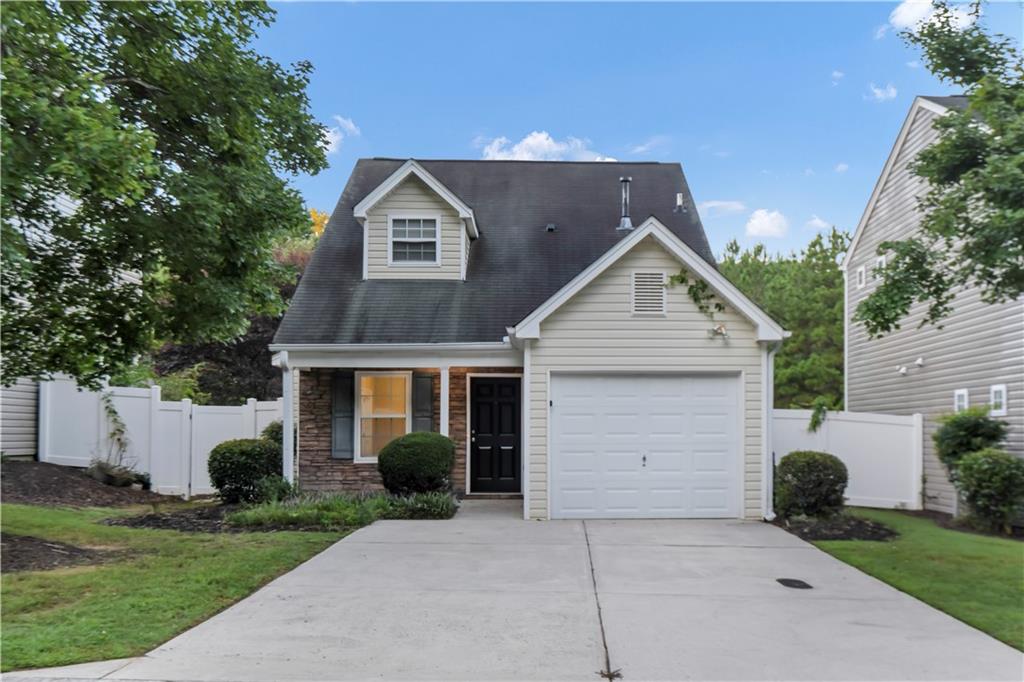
643 446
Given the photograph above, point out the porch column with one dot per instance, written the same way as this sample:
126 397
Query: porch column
444 400
287 419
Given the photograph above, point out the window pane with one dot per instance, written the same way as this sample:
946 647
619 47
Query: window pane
382 395
429 228
375 433
414 252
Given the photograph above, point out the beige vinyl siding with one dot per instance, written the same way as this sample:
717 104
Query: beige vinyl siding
19 410
596 331
980 345
413 196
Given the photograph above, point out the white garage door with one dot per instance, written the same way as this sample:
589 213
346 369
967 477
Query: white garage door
641 446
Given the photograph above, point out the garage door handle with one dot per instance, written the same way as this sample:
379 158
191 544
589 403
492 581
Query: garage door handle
644 459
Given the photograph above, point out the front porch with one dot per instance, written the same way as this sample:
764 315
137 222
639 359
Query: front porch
343 413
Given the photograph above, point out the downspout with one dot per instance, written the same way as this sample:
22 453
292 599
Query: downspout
768 478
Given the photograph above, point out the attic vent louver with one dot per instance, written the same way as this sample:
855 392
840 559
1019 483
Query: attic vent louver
648 293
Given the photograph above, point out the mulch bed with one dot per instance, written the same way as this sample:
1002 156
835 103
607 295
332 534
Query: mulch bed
27 553
51 485
842 527
204 519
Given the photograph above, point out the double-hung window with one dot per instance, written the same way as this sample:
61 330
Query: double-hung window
414 240
384 410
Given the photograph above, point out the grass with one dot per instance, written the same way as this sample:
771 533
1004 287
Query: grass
331 511
166 582
975 578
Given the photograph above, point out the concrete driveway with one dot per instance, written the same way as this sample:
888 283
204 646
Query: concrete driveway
487 596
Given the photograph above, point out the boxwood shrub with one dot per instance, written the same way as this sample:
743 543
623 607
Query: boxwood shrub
809 483
418 462
237 468
992 483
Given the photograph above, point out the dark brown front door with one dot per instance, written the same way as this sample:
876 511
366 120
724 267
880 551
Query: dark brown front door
494 435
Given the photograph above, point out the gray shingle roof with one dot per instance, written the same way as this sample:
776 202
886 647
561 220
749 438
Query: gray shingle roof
950 101
514 266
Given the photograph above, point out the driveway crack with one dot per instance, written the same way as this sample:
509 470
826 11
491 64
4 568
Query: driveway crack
607 673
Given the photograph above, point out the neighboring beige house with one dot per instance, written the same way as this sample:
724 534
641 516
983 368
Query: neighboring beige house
19 407
975 358
514 307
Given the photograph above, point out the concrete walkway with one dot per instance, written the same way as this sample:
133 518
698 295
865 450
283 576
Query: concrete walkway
487 596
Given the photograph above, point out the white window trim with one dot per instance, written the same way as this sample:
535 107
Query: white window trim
632 292
861 278
957 394
414 215
879 265
992 390
357 428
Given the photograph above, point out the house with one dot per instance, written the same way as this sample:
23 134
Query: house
975 358
514 307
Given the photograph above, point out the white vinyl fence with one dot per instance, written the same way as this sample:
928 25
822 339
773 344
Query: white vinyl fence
169 440
882 452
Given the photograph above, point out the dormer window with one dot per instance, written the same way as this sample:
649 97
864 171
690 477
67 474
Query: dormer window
414 240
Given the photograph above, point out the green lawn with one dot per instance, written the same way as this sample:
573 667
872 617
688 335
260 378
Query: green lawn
975 578
166 583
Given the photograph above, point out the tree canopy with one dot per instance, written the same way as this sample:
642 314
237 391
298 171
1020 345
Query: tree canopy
972 226
145 148
804 293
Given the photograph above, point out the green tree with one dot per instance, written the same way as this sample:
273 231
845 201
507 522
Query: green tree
145 150
804 293
972 227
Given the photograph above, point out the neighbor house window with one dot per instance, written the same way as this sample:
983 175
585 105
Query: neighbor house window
383 410
961 400
861 277
997 400
879 266
414 241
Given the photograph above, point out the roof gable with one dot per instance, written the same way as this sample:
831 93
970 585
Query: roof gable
928 103
767 328
411 167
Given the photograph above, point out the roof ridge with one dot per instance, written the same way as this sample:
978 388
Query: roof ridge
603 163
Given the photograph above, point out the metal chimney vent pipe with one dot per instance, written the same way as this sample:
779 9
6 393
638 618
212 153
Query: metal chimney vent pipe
625 223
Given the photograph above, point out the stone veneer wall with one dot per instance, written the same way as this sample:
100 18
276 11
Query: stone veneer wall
317 470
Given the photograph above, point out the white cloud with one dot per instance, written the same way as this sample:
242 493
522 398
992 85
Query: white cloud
816 223
808 172
720 207
880 94
539 146
650 144
836 77
842 167
334 135
914 64
765 223
910 14
881 31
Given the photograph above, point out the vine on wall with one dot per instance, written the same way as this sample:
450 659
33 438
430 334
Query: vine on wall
700 293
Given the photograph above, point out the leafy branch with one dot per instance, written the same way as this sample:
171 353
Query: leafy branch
700 293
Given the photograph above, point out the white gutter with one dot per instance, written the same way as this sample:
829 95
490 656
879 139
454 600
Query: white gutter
768 468
398 347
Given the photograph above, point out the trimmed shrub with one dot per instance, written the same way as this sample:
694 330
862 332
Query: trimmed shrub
416 463
435 505
965 432
809 483
236 467
992 482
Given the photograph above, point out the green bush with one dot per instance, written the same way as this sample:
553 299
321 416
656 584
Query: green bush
273 488
274 432
964 432
236 467
992 482
809 483
435 505
416 463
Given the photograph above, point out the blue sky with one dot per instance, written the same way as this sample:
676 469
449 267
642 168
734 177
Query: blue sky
782 114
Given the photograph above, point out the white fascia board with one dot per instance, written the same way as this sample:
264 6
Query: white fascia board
887 169
387 356
411 167
767 328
